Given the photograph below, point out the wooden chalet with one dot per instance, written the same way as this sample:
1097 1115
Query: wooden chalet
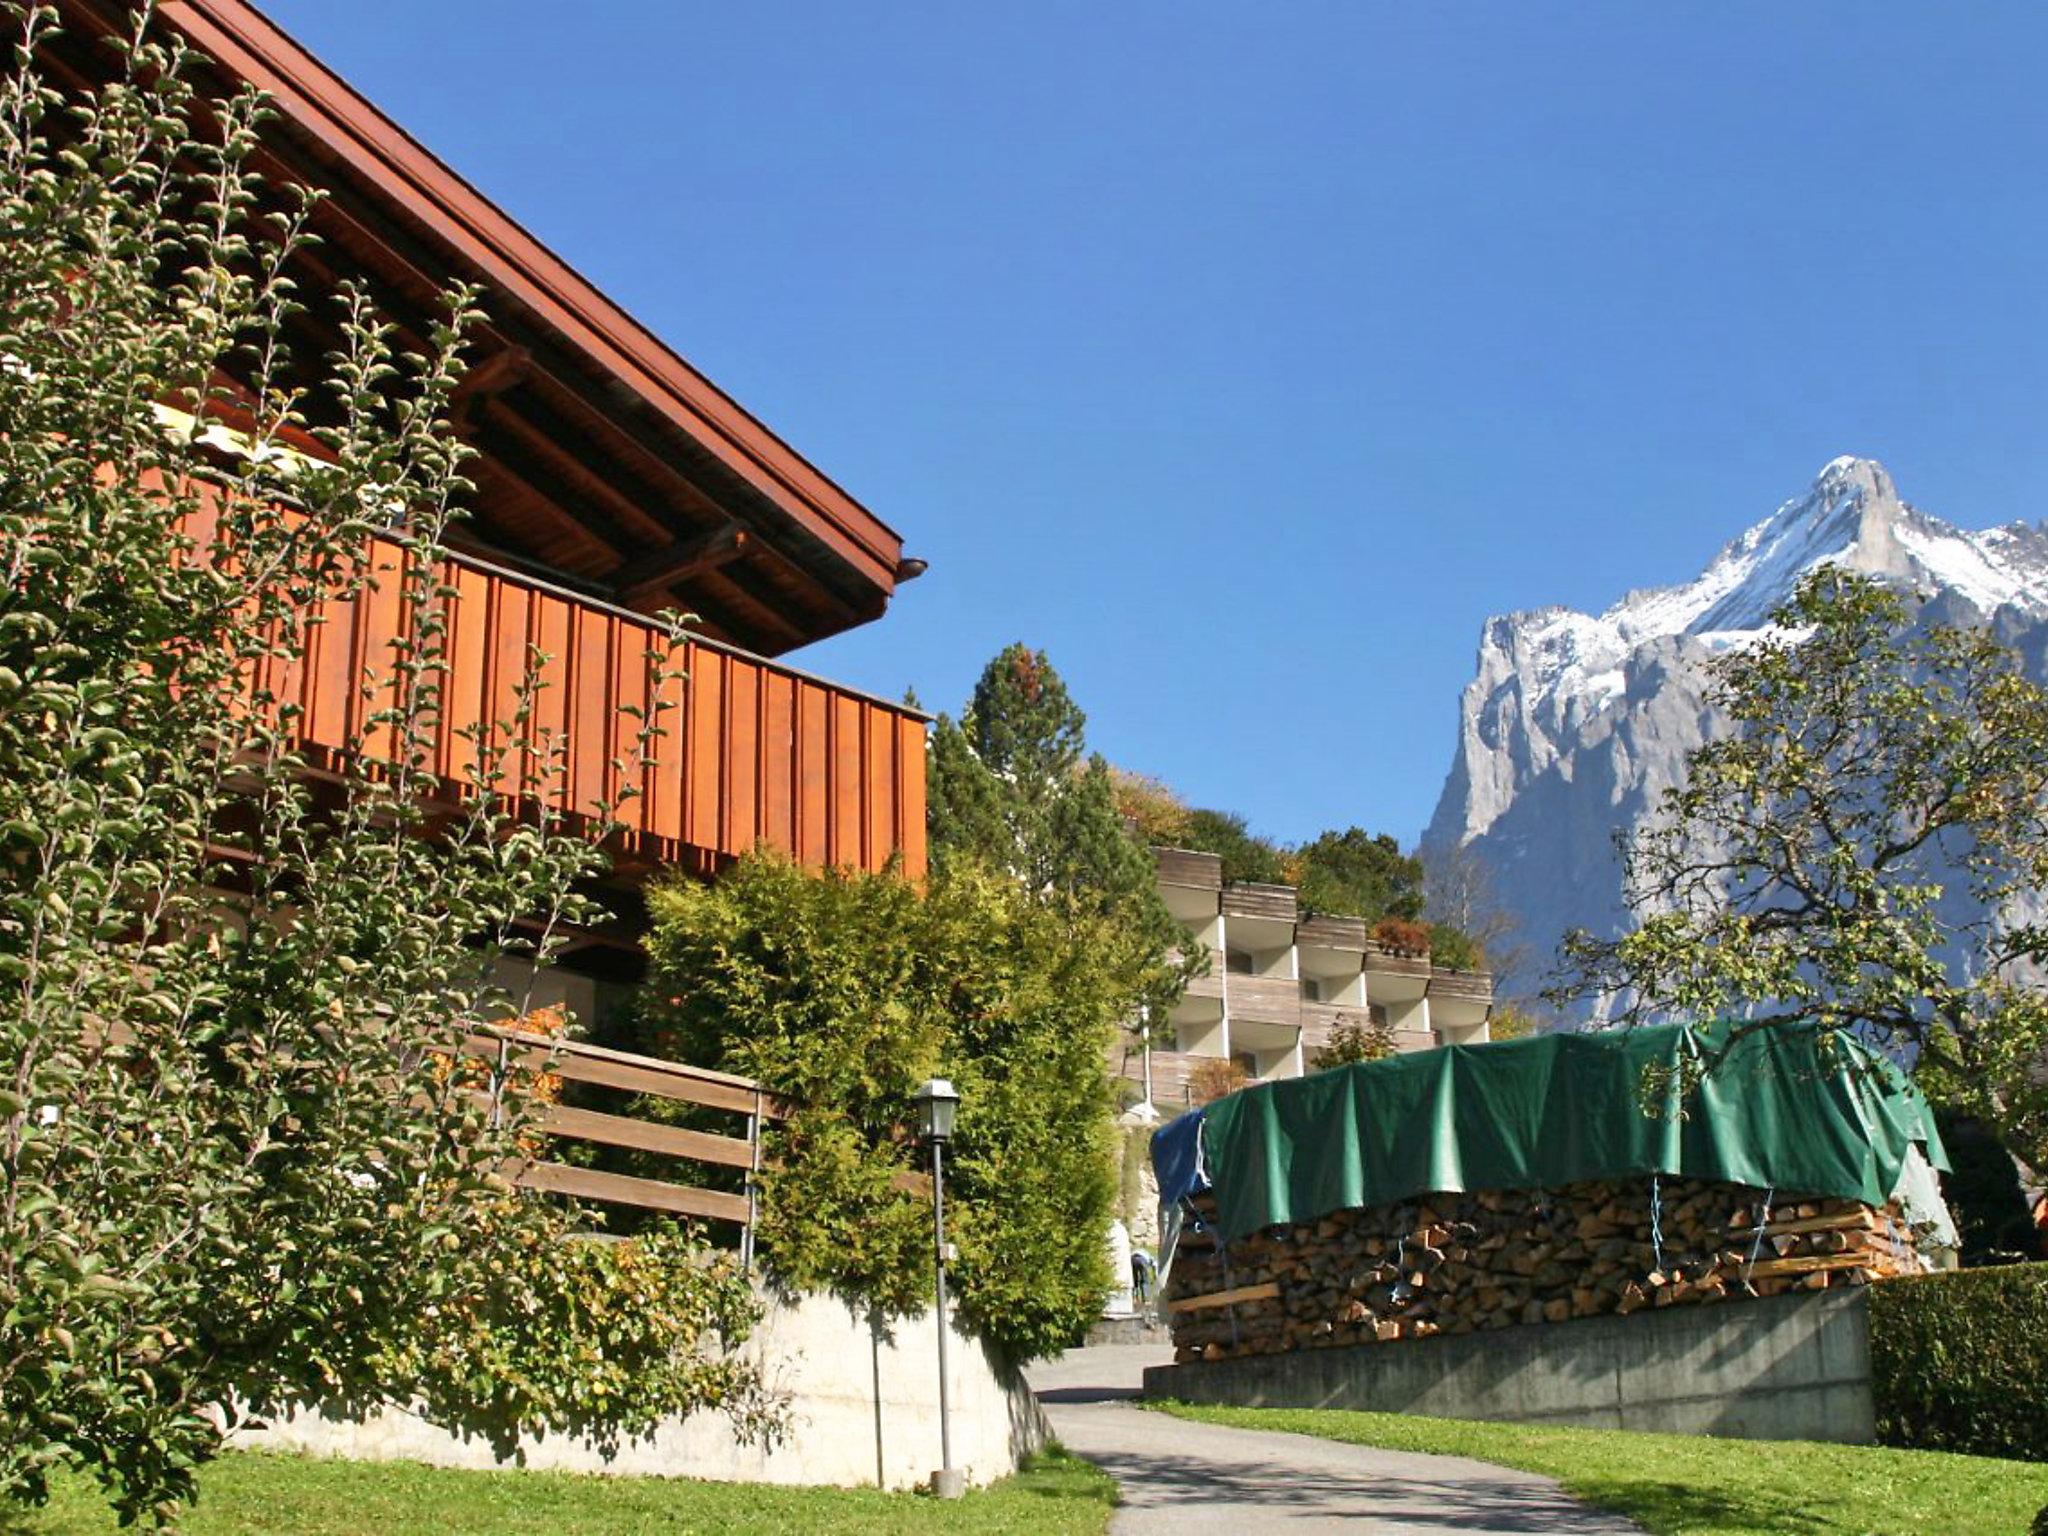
613 480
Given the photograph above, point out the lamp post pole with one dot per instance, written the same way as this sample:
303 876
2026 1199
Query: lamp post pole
946 1475
937 1102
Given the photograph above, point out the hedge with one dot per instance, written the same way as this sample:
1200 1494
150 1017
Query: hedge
1959 1361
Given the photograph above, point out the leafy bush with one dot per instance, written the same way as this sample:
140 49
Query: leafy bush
1151 808
1245 855
1959 1361
1366 1039
843 991
1453 950
1399 936
1216 1077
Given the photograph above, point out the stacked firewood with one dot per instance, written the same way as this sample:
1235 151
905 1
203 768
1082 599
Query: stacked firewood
1456 1263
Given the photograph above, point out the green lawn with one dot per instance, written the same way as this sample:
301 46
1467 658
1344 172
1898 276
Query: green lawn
1681 1485
251 1494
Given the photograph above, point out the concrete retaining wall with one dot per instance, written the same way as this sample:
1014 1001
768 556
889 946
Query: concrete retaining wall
1783 1368
863 1410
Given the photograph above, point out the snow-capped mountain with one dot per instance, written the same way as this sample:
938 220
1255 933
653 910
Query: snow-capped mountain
1576 723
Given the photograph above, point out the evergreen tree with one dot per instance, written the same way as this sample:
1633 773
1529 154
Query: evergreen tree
1358 874
1012 786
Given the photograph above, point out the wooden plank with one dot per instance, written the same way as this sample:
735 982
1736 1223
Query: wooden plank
739 829
910 762
383 623
878 780
605 1068
1771 1268
778 761
645 1136
591 711
706 761
814 712
1267 1292
621 1189
462 688
1854 1221
552 626
627 665
507 651
664 813
849 764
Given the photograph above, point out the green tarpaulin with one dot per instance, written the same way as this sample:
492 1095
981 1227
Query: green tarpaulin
1783 1110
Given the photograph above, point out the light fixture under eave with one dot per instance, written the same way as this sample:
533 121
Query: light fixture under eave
909 568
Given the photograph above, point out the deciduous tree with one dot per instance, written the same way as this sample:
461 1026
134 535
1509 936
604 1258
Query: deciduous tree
1867 849
236 1168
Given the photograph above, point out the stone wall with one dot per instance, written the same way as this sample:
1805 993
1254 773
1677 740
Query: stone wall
1783 1368
863 1406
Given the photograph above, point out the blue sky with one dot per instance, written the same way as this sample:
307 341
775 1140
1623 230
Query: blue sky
1247 358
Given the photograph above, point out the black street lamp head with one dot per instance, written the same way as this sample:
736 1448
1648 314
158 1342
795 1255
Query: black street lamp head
937 1101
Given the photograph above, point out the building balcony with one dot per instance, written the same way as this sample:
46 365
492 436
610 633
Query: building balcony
1272 999
753 753
1187 870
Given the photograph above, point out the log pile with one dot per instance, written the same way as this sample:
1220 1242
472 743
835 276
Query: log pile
1457 1263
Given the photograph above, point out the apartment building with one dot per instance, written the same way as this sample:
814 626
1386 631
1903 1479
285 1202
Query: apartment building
1282 980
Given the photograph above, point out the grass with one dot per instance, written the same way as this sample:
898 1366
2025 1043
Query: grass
258 1494
1682 1485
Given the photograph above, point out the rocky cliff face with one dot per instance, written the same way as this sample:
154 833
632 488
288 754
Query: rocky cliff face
1575 723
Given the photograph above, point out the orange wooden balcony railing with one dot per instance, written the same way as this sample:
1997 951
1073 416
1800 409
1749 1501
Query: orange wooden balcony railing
754 753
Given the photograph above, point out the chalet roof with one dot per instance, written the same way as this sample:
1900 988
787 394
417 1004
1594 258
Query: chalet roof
608 462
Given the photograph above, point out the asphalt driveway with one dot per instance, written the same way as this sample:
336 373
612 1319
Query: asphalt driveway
1184 1478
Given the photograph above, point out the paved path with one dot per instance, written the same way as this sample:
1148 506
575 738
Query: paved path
1187 1478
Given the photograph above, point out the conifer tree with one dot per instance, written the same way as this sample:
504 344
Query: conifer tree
1013 786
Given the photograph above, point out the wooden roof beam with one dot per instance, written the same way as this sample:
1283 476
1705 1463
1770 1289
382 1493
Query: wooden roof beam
651 575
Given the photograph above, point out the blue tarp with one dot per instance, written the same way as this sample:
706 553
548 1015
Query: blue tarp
1177 1158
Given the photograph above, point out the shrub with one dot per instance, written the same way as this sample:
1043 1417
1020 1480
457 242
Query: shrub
1959 1361
842 991
1400 936
1453 949
1216 1077
1366 1039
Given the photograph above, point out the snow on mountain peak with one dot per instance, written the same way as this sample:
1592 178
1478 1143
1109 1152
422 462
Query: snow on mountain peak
1851 515
1576 724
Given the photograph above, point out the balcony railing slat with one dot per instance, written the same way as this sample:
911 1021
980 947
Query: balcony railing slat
751 752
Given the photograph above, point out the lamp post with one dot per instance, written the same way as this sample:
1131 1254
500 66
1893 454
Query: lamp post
937 1103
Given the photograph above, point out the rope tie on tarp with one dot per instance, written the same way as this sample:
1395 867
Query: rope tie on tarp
1756 1243
1657 1222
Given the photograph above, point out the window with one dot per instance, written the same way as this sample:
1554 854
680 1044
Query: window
1312 989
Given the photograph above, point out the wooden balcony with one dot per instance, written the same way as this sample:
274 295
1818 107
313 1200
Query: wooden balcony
1328 932
1275 903
1196 871
1268 999
1461 986
754 753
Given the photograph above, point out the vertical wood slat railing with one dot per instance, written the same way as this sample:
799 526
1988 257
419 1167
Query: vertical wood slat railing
754 753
